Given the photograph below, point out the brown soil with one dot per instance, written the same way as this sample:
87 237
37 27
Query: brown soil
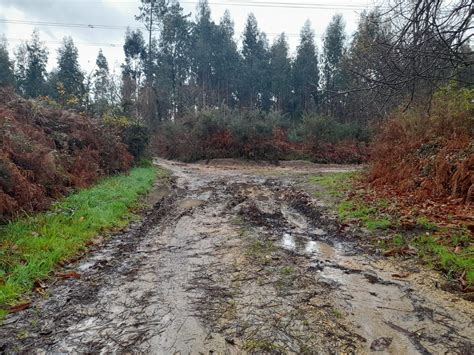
237 259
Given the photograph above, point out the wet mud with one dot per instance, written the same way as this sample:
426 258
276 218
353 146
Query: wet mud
238 259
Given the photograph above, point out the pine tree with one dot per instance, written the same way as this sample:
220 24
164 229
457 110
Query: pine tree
333 51
68 80
306 72
280 72
32 58
7 77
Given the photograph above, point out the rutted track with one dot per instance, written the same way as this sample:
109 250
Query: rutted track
235 261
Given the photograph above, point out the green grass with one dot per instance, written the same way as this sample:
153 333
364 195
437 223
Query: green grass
370 216
334 183
260 250
261 345
424 223
31 247
444 258
439 253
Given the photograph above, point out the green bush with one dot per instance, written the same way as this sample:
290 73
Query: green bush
136 137
328 130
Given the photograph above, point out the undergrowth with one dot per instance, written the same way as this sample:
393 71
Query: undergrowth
448 249
47 153
455 256
31 247
418 155
261 136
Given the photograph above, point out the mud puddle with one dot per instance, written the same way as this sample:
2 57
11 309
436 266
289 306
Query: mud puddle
385 310
237 261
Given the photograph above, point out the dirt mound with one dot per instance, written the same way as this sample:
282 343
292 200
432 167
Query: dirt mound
46 153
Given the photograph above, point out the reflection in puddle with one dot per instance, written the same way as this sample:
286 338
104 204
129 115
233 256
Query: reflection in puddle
311 247
304 245
288 242
372 304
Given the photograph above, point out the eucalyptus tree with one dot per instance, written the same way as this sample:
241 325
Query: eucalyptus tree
280 73
254 89
332 78
30 68
7 77
306 71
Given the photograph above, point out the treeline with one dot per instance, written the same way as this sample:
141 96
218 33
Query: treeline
183 65
189 64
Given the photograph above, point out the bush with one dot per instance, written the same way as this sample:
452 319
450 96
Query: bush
45 153
429 155
135 135
260 136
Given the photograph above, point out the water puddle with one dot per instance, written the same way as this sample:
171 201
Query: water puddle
304 245
311 247
376 303
288 242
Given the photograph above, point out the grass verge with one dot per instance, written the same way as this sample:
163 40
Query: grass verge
336 186
449 250
455 256
31 247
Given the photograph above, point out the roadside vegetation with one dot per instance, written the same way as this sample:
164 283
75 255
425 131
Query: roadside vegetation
258 135
31 247
47 152
400 232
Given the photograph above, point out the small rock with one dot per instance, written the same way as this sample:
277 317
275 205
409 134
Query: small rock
381 344
230 341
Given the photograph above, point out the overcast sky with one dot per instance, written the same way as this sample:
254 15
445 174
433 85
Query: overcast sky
281 16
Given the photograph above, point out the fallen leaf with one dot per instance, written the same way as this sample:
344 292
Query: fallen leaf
19 307
69 275
39 287
462 280
405 250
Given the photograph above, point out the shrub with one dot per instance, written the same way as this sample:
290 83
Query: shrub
258 135
135 135
45 153
429 155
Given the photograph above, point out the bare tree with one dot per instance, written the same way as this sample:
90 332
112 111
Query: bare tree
425 43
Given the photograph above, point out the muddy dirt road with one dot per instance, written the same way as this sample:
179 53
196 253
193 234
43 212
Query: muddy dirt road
238 259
